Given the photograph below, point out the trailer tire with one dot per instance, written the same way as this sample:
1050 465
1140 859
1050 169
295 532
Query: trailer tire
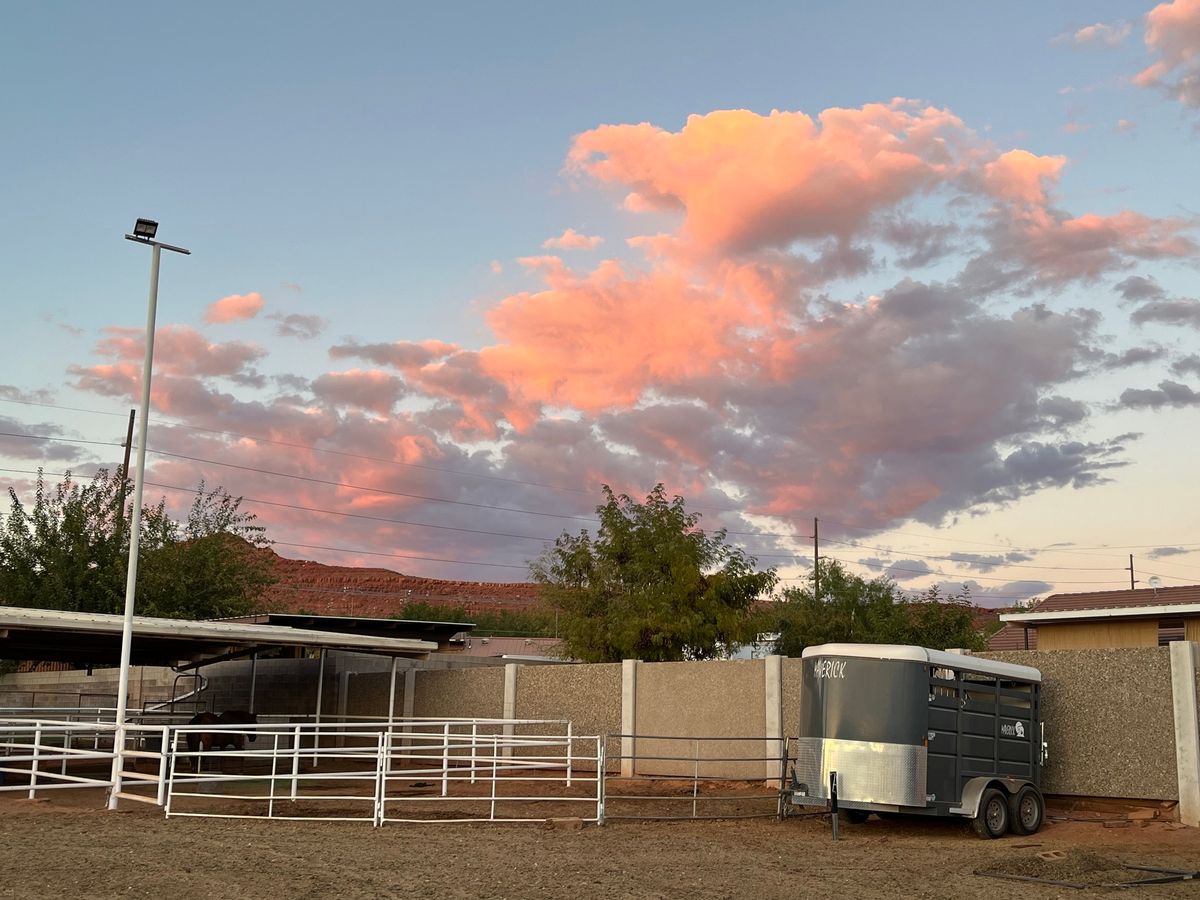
855 816
1026 810
992 820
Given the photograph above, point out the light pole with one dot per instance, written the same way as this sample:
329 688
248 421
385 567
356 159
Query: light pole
143 233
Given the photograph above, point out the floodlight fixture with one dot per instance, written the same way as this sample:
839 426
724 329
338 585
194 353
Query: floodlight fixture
145 229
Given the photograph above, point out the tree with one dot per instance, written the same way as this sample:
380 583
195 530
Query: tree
853 609
651 585
70 551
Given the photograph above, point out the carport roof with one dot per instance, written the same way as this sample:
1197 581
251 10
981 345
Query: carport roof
441 633
95 638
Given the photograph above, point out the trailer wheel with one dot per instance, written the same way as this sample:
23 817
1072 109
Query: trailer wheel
992 819
1026 810
855 816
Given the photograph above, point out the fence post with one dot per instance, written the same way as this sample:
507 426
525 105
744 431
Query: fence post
495 777
570 753
773 696
295 761
629 670
381 764
164 750
37 751
1187 732
174 759
445 759
274 773
474 739
510 703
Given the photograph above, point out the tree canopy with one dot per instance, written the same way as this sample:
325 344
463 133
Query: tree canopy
70 551
853 609
650 585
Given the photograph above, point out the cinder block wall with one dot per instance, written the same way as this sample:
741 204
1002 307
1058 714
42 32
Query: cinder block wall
1109 721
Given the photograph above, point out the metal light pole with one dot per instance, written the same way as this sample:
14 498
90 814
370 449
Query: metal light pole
143 233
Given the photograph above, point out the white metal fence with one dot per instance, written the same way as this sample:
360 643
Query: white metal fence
403 770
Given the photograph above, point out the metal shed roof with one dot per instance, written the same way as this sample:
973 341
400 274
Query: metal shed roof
441 633
95 638
940 658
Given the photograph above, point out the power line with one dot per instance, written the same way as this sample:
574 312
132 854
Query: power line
869 528
464 562
493 507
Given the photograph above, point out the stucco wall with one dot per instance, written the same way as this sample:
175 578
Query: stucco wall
718 699
460 693
587 695
791 697
1109 721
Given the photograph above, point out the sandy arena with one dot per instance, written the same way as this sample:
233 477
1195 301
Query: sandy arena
66 846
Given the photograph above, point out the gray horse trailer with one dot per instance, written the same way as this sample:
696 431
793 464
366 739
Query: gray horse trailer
893 729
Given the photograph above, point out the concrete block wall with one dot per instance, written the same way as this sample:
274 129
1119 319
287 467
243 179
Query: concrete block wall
1108 719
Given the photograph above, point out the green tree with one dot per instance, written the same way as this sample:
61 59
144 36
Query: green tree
651 585
852 609
70 551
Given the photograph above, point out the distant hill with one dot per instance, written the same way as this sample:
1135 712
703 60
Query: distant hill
307 586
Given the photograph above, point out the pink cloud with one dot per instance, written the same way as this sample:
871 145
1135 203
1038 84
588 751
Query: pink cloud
1022 177
1110 34
572 240
1173 33
367 389
725 352
744 181
234 308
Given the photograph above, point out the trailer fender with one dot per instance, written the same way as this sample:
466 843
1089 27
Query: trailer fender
973 792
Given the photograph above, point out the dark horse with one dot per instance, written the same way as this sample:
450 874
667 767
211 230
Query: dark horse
220 738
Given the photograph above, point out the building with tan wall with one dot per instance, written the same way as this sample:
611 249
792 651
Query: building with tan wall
1104 620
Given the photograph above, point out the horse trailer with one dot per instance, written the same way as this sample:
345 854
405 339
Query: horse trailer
892 729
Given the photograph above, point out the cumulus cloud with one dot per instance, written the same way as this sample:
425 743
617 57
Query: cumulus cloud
234 308
35 441
1181 311
1108 34
1173 36
298 325
724 355
1137 287
1164 552
987 562
572 240
1168 393
367 389
1186 365
1133 357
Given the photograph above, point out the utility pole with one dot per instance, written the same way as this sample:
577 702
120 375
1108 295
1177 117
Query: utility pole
816 564
1131 581
124 473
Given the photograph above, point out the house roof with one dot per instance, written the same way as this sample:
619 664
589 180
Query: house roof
1012 637
1135 604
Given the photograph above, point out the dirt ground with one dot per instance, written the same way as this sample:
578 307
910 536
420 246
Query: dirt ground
68 846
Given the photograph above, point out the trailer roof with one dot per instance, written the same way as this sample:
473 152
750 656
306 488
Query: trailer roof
939 658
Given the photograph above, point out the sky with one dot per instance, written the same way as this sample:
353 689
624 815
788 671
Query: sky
925 273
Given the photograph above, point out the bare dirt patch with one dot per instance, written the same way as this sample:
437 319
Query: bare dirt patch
68 846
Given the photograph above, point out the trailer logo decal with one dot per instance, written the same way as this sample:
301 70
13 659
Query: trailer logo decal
1016 729
830 668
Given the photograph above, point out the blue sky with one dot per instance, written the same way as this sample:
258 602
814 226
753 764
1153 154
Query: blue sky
373 165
